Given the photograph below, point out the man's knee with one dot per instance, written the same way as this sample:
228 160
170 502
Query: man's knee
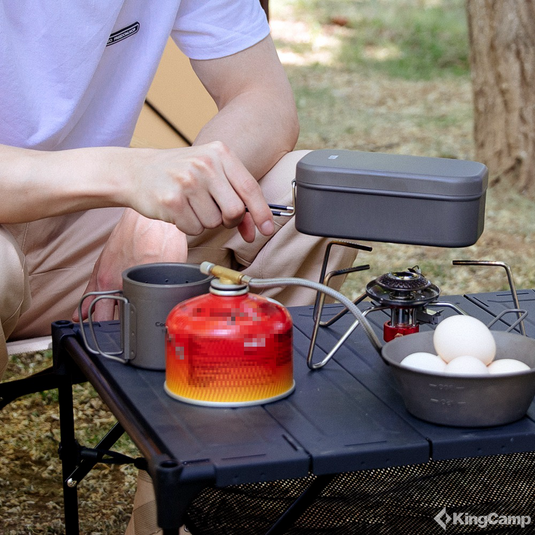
14 285
14 290
277 182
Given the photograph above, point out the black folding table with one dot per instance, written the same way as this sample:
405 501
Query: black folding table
346 417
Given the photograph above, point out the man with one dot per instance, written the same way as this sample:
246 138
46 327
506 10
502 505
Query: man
78 206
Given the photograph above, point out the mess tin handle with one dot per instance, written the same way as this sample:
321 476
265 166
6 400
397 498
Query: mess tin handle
116 295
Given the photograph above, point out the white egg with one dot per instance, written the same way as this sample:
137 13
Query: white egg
502 366
466 365
457 336
422 361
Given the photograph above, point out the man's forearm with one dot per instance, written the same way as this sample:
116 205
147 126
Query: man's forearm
36 184
193 188
259 128
257 116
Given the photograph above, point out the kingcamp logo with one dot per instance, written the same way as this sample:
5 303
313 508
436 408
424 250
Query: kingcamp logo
443 519
120 35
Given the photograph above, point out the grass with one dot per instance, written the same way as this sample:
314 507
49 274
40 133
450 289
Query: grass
366 78
30 469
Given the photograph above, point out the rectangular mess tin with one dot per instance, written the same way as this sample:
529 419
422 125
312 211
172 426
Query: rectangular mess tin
390 198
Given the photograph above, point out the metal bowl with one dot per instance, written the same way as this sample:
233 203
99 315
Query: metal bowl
464 401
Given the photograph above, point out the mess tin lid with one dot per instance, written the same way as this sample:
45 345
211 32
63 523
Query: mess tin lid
327 168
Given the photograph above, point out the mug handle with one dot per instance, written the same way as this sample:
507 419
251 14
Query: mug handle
116 295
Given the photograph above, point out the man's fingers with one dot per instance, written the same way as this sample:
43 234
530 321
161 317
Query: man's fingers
248 190
247 229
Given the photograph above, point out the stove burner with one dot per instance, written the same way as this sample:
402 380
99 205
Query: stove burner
406 294
402 289
403 280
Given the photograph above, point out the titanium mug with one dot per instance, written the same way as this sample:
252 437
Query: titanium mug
150 292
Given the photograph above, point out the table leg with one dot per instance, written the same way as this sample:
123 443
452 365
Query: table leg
68 454
176 485
68 448
300 505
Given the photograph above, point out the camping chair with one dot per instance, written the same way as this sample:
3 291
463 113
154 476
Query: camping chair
46 379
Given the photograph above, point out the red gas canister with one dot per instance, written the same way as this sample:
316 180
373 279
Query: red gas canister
229 348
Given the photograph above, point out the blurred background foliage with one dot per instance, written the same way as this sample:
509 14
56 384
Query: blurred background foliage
413 40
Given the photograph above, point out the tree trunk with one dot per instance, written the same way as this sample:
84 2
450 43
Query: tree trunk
502 58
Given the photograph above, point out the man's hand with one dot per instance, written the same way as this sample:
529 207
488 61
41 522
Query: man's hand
197 188
135 240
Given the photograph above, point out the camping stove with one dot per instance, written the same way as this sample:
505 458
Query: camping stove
406 294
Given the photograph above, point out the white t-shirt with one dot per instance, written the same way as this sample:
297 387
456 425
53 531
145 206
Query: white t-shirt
75 73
